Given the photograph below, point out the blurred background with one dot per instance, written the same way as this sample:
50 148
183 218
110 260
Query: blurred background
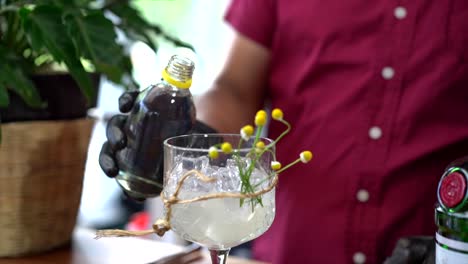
198 23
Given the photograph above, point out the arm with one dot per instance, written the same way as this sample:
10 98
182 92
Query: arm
239 91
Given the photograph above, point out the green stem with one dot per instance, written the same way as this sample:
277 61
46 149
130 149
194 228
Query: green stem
22 44
288 166
14 23
284 132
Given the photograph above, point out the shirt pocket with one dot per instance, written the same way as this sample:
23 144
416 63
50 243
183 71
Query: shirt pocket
458 29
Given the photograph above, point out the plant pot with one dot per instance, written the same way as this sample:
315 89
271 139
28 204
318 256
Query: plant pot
41 172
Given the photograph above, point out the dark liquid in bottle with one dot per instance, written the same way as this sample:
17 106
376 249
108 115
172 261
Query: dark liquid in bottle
164 112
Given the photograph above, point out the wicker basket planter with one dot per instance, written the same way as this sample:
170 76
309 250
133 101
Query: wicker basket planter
41 174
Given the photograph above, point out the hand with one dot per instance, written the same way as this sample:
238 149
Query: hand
412 250
116 138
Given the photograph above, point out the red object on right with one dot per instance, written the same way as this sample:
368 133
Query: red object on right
452 189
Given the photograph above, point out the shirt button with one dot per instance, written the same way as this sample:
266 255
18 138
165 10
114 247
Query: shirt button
375 132
359 258
400 12
388 73
362 195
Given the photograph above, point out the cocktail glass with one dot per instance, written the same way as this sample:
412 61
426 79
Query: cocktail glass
218 203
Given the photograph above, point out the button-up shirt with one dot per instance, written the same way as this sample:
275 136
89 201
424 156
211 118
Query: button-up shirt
379 92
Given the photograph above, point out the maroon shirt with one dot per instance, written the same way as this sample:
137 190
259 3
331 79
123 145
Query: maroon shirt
379 92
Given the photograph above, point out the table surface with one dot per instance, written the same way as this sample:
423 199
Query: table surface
84 249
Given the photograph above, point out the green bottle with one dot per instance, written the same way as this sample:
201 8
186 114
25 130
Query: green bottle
451 215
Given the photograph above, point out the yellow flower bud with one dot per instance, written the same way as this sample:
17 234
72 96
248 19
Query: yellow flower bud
261 113
306 156
226 147
275 165
213 153
260 120
277 114
260 145
246 132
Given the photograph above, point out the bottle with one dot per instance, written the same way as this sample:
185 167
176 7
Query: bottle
451 214
161 111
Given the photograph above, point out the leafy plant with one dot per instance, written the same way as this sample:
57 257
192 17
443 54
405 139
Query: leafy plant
37 35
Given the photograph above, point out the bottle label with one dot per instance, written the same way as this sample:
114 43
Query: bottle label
449 251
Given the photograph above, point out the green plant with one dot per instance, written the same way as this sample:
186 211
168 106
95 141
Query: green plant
255 154
77 35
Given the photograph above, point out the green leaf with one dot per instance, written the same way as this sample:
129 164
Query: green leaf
13 78
142 36
4 98
45 25
94 37
133 24
17 81
34 36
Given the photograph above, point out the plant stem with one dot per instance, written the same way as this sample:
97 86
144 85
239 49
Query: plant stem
289 165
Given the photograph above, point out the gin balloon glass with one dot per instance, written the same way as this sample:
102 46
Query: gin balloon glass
223 201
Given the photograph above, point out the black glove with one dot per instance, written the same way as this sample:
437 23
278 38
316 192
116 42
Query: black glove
413 250
117 140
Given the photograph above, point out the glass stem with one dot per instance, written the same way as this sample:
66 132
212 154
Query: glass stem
219 256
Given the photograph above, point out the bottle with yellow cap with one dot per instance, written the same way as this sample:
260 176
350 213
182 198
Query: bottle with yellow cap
161 111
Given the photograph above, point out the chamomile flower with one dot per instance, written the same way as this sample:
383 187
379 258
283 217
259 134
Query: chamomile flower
213 152
246 132
261 113
306 156
277 114
259 147
226 147
275 165
260 120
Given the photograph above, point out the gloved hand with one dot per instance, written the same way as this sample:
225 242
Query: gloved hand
413 250
117 140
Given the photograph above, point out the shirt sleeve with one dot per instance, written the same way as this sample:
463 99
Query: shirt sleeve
254 19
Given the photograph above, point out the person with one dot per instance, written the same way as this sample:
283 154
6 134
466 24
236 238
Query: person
377 91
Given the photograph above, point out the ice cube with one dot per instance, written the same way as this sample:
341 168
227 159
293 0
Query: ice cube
260 179
197 163
242 162
227 180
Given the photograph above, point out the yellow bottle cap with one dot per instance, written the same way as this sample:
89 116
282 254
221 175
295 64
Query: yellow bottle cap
179 84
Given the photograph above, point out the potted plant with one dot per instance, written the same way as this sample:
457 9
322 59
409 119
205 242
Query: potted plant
52 53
